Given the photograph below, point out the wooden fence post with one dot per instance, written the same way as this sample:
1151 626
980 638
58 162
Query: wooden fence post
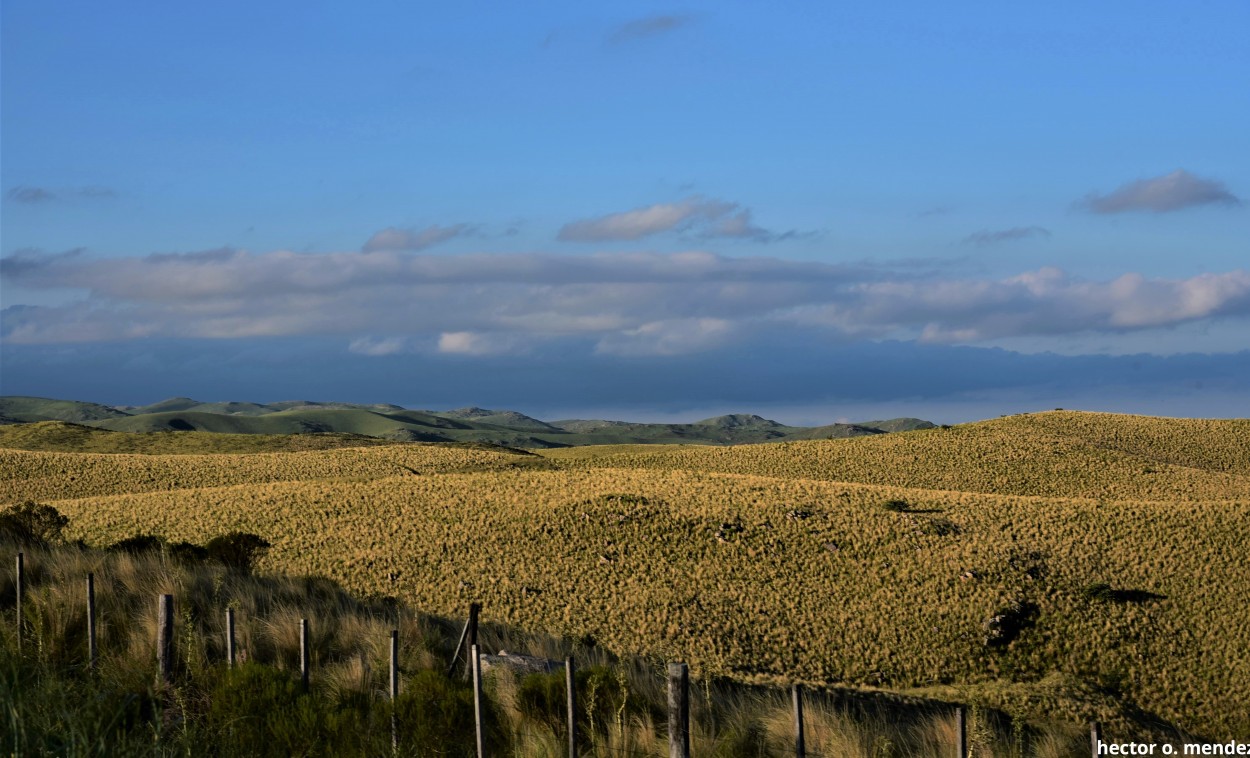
475 663
961 732
303 653
230 653
21 586
91 641
678 710
394 687
570 685
165 639
800 743
1095 737
468 633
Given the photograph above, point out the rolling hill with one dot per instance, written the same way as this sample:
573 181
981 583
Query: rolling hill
1113 543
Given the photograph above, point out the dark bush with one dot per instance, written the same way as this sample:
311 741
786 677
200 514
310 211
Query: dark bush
1008 622
187 553
237 550
1100 591
1105 593
138 544
896 506
32 524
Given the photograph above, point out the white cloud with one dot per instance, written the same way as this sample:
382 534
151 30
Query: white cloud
1161 194
649 26
392 238
706 217
376 347
985 237
480 343
672 337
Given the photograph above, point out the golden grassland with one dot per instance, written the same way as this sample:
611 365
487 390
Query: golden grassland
777 562
53 476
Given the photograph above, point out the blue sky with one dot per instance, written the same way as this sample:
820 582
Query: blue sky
519 204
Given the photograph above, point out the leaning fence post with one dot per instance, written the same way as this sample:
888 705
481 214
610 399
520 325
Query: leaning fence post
303 653
469 633
1095 737
91 643
475 663
230 654
21 585
570 685
165 639
678 710
961 732
800 744
394 682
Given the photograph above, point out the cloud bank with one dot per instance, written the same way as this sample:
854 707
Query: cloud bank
1161 194
621 304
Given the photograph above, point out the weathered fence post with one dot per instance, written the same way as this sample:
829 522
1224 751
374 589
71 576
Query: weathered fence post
475 663
230 654
91 643
469 633
303 653
678 710
800 743
21 585
394 682
165 639
961 732
1095 737
570 685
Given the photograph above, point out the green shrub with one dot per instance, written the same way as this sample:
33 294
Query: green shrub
435 717
263 711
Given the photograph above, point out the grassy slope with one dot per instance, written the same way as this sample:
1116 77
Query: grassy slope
759 562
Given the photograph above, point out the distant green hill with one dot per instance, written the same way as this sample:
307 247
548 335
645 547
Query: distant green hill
19 409
395 423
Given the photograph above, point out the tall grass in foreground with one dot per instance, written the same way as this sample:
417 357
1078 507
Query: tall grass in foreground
53 705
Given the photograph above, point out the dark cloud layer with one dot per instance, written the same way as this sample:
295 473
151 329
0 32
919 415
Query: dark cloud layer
799 367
